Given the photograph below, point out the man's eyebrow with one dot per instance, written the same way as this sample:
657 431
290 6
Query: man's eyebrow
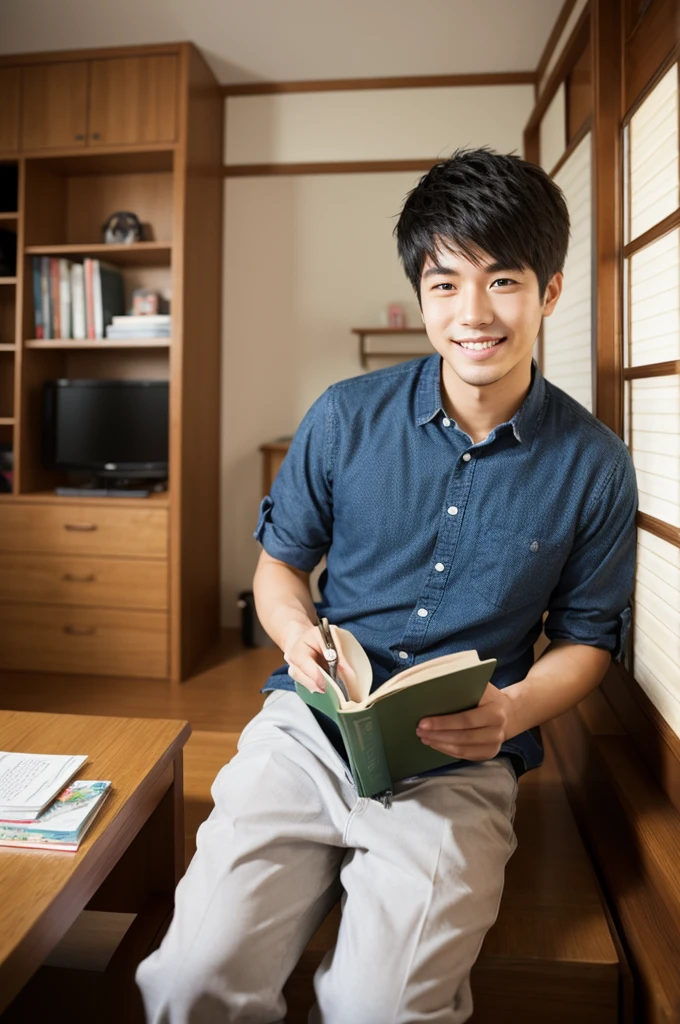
438 268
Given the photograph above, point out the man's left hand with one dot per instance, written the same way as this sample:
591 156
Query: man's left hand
474 735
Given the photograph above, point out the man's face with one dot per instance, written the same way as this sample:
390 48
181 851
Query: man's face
462 302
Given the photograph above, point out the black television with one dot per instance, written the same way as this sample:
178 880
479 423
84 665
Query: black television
111 429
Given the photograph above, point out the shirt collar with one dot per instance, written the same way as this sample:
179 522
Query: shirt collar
524 423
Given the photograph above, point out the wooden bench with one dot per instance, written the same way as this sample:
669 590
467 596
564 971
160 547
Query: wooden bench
552 955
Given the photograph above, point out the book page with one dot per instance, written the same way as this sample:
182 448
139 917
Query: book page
32 780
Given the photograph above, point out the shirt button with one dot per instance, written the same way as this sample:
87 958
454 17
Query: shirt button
439 567
467 457
534 545
403 655
422 612
452 510
446 421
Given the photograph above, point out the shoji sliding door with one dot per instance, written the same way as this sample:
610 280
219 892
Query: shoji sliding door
652 384
567 334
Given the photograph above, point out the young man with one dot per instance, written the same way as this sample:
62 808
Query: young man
457 498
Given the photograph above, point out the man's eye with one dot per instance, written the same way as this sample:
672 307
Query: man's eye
504 280
444 285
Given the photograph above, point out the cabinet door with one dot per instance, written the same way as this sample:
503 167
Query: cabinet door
133 100
9 110
54 111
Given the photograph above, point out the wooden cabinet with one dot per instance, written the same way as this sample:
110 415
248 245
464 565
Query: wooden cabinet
9 109
54 109
133 100
121 101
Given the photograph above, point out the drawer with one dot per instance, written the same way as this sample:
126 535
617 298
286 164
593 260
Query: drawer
96 641
78 580
84 529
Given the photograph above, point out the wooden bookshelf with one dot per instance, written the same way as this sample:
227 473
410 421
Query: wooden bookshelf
141 254
108 149
88 343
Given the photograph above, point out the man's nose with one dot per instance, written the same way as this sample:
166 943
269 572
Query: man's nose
475 307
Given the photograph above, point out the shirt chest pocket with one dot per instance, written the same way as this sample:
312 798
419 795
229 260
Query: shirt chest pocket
516 569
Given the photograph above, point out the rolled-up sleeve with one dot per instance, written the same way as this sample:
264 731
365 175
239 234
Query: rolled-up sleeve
295 522
591 604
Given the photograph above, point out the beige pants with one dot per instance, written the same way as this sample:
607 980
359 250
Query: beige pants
420 882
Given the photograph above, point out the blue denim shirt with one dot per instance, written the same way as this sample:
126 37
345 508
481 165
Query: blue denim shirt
435 544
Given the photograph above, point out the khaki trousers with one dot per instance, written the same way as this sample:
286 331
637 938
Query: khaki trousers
420 884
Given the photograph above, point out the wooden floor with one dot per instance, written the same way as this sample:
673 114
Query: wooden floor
218 701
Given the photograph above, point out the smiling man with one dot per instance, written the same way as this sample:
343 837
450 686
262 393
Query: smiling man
457 498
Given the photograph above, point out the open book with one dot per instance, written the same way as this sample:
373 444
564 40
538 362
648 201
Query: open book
379 728
29 782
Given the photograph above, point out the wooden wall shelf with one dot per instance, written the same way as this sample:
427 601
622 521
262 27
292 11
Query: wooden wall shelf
8 346
8 280
139 254
88 343
365 332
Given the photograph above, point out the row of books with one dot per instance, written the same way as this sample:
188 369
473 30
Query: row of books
75 300
37 807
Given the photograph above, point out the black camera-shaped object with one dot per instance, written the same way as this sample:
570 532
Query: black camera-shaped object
122 228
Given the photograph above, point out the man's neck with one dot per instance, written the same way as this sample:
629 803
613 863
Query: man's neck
477 410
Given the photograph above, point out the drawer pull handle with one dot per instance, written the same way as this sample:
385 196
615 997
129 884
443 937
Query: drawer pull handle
69 577
81 527
80 630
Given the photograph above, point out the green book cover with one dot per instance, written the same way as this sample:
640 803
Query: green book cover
379 728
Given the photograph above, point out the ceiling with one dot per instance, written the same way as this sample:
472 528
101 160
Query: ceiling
289 40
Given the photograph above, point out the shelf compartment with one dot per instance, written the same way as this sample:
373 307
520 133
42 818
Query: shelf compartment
397 352
7 388
137 254
71 343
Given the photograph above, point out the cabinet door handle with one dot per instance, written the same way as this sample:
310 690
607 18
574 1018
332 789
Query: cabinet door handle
81 527
80 137
80 630
69 577
96 135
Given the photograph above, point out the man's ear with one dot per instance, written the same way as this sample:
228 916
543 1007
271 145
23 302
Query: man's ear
552 293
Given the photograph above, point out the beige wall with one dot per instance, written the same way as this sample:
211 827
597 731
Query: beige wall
306 258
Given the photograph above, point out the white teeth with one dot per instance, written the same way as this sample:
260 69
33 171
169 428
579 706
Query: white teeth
477 346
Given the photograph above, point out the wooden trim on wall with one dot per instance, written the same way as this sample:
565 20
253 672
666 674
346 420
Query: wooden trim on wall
606 55
660 229
586 127
329 167
660 529
570 54
399 82
667 369
553 39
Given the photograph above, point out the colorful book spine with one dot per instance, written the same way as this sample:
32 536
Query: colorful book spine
37 300
55 287
45 292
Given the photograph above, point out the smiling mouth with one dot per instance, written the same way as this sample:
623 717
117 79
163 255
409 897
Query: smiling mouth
478 346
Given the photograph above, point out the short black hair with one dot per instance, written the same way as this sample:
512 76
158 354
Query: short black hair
479 199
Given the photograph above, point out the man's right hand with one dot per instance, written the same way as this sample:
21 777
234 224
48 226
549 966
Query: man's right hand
304 653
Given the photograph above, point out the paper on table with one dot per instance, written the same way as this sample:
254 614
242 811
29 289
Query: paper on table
30 781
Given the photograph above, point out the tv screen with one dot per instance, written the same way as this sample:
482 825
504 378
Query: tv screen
107 427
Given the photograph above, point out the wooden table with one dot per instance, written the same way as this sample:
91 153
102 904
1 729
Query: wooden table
130 860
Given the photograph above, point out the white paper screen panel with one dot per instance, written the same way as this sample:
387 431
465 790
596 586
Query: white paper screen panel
656 630
653 156
553 130
654 440
567 334
654 335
